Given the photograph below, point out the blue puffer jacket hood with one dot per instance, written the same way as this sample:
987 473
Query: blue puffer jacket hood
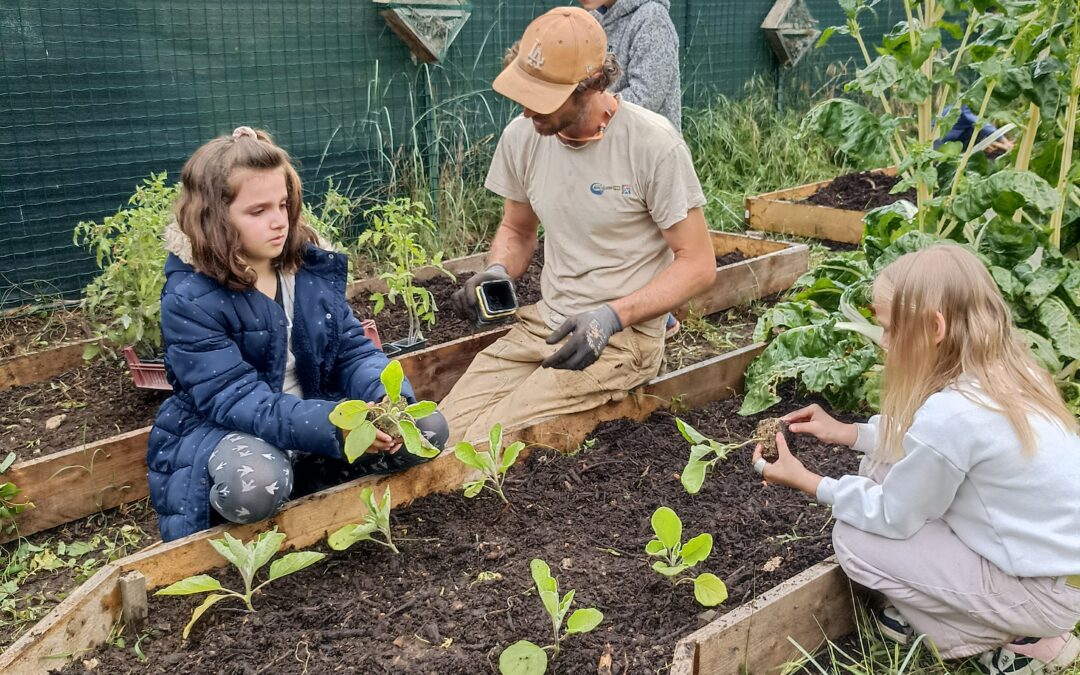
225 355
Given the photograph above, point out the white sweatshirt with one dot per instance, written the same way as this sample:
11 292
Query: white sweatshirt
963 464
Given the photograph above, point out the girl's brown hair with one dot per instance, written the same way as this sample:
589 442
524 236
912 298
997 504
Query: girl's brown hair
979 342
202 211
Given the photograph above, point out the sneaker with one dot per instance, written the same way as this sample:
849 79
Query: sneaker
1030 656
672 326
891 625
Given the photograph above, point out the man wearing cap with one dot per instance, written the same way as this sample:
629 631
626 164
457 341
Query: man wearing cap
625 239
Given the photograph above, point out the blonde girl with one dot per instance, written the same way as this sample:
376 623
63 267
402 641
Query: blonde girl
966 512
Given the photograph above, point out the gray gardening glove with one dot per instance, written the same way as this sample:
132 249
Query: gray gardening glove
591 332
464 299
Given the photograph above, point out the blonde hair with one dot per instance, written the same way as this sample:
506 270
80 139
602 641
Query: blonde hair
979 342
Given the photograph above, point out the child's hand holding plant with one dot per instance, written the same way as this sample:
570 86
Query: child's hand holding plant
787 470
821 425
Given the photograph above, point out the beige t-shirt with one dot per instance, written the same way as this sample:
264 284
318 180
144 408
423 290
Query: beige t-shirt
602 205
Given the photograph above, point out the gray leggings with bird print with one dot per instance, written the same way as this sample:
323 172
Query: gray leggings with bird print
252 479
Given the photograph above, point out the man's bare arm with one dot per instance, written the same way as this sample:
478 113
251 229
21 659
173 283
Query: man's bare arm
515 240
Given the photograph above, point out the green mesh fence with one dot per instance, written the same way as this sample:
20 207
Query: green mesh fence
97 94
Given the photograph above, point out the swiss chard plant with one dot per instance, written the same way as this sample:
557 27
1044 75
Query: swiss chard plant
376 521
1015 63
492 463
9 493
526 658
248 559
704 454
397 228
393 415
677 557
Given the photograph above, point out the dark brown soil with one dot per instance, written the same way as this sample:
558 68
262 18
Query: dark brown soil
860 192
98 400
429 610
730 258
24 332
393 321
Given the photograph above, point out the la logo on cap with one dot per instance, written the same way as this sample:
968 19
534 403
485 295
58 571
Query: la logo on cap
536 57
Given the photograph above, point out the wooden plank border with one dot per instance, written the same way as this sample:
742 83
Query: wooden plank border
782 212
83 621
83 480
40 366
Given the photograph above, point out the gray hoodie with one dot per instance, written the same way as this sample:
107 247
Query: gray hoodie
643 38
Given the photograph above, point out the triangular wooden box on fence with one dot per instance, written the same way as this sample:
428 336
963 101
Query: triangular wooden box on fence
790 30
427 27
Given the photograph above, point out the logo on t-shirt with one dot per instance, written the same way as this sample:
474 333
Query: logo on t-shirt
599 189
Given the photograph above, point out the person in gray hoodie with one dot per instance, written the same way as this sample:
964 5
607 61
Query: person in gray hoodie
642 36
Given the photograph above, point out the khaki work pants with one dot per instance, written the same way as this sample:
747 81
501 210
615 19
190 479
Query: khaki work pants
505 383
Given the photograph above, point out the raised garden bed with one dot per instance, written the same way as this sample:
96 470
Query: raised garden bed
829 215
107 472
606 567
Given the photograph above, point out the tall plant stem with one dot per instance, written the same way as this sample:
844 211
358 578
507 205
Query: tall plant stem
1067 141
896 146
925 106
1027 144
943 96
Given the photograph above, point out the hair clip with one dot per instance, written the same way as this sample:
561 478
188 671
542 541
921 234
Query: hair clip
240 132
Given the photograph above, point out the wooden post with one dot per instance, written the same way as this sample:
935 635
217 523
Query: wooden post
133 602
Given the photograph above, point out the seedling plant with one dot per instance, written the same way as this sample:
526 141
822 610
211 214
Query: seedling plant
376 521
396 228
9 492
526 658
393 415
492 463
247 558
704 454
677 557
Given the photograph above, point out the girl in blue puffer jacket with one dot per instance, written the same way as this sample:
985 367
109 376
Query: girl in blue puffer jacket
260 345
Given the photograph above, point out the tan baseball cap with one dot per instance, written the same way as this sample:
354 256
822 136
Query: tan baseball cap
559 49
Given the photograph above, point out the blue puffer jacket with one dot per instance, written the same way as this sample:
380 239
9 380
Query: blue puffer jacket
225 358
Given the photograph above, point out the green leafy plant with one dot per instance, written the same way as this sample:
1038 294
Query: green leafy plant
393 415
397 227
704 454
332 219
677 557
123 303
247 558
9 492
526 658
492 463
376 521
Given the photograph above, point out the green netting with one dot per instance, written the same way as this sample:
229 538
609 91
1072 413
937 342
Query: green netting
97 94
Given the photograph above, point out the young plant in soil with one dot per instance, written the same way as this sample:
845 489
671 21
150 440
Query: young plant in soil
376 520
396 228
393 415
766 435
247 558
524 657
9 508
493 463
704 453
677 557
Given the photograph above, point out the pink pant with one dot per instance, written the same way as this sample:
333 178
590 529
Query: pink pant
961 601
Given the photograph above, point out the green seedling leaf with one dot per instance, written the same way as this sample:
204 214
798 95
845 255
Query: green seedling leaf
367 495
551 603
201 583
510 455
693 474
564 606
583 620
690 433
667 526
495 438
697 549
392 377
523 658
414 441
359 440
266 546
669 570
232 550
467 455
209 602
349 414
709 590
421 409
348 535
8 461
473 488
293 562
541 574
655 547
